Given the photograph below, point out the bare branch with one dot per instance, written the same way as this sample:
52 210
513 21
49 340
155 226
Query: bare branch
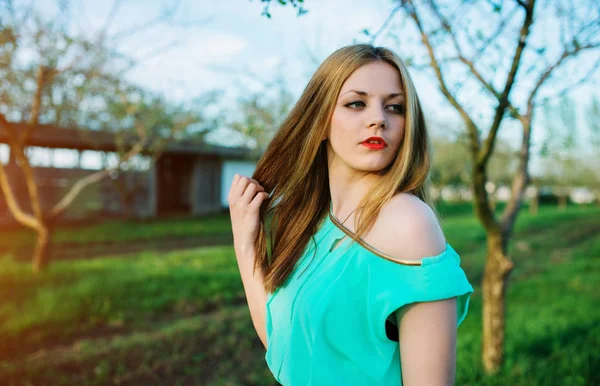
567 54
41 81
446 26
501 27
10 8
111 16
91 179
503 99
386 22
163 17
30 182
12 203
520 180
294 3
17 150
521 3
472 127
28 11
585 78
75 190
103 32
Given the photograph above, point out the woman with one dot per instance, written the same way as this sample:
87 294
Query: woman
348 277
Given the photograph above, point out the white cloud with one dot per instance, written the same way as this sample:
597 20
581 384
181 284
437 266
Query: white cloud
219 46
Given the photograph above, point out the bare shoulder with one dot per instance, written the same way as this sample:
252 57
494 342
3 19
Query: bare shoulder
407 228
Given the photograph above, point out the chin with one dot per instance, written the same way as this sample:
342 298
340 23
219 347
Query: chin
372 169
376 166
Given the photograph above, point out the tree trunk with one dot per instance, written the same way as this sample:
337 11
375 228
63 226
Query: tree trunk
497 269
533 208
41 255
493 202
562 202
128 202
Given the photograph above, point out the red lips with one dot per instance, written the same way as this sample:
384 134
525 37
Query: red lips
374 143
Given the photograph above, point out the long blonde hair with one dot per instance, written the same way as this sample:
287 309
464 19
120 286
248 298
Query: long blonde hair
294 171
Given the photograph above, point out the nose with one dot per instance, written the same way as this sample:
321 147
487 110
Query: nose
377 119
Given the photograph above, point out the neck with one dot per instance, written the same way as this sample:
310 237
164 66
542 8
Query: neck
348 189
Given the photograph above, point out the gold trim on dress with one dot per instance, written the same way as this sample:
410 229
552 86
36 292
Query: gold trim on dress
369 247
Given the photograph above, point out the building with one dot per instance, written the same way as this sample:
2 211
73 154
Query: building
187 178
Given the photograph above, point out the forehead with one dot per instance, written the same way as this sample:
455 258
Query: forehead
374 78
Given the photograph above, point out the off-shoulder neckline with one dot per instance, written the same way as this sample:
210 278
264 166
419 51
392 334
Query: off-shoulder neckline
410 262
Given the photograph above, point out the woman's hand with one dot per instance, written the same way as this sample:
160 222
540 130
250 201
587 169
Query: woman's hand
245 198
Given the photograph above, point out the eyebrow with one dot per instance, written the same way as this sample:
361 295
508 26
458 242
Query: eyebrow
364 93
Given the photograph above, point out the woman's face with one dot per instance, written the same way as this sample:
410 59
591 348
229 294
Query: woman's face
370 104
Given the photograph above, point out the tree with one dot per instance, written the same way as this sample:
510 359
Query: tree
560 166
150 117
593 121
462 53
591 177
497 49
261 113
72 80
452 165
569 158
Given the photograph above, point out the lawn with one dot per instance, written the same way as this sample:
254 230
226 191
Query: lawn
180 317
117 230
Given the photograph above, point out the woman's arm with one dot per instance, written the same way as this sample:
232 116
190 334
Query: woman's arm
255 292
427 335
245 198
427 330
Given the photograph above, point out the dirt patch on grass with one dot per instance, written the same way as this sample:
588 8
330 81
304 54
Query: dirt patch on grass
73 251
216 348
41 339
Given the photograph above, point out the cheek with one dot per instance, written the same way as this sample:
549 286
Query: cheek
340 126
399 135
401 130
338 120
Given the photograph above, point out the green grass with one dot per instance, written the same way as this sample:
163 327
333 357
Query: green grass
124 230
552 325
180 318
115 291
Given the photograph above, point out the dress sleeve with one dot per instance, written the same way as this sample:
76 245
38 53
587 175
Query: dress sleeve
394 285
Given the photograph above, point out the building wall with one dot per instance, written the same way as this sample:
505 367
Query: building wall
102 198
205 186
174 173
228 170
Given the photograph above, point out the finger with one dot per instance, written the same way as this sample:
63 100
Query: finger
234 182
249 194
240 187
243 184
258 200
236 179
252 180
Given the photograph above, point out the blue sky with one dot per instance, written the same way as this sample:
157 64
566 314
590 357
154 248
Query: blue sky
234 36
236 40
232 44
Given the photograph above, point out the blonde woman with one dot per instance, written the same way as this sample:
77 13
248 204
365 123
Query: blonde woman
347 273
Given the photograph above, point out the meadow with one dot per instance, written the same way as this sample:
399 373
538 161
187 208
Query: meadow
180 317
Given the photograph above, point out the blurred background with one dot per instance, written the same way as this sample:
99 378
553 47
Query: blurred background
122 124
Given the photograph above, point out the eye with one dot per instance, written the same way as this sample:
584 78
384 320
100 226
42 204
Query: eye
399 109
354 103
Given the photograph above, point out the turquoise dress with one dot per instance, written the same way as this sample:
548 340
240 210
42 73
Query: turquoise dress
333 323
